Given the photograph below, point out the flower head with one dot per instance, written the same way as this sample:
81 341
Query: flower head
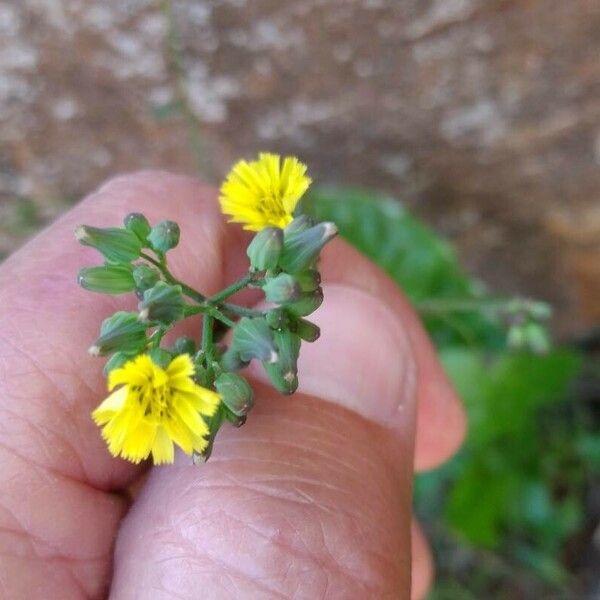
154 407
264 192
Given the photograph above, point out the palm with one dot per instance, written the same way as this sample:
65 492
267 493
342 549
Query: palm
310 499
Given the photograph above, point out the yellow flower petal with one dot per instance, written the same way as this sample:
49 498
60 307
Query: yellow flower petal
162 448
264 192
155 408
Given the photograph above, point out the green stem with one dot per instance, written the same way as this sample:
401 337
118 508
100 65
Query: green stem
232 289
207 337
242 311
190 292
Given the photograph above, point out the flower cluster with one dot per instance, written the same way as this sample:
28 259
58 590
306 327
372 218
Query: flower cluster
181 393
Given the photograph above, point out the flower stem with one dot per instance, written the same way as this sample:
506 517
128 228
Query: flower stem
241 310
232 289
207 337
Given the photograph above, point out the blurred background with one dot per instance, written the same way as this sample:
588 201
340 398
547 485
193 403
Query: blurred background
457 142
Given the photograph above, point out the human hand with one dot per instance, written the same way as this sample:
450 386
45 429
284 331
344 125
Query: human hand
310 499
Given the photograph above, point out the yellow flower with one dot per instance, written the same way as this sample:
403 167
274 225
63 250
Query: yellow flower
264 192
153 408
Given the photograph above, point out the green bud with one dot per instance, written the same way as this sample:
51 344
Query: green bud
236 393
145 277
265 249
284 372
253 338
163 303
307 303
281 289
277 318
184 345
301 223
308 331
116 244
164 236
161 357
122 332
301 249
108 279
138 224
308 280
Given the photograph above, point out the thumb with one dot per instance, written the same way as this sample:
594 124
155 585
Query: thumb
312 497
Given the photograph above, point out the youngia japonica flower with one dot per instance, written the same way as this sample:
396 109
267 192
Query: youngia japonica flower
154 408
264 192
164 396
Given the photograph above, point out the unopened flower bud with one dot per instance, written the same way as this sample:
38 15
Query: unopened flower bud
164 236
235 392
116 244
163 303
308 280
301 249
253 338
307 303
145 277
184 345
308 331
265 249
138 223
284 372
107 279
231 361
281 289
122 332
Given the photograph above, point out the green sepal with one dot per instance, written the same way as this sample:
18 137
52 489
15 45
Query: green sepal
184 345
281 289
283 373
116 244
301 248
231 360
253 338
277 318
233 419
307 303
107 279
145 277
265 249
160 357
138 224
164 236
122 332
163 303
214 424
236 393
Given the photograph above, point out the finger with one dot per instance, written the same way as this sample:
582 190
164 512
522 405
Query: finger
422 563
57 517
441 422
